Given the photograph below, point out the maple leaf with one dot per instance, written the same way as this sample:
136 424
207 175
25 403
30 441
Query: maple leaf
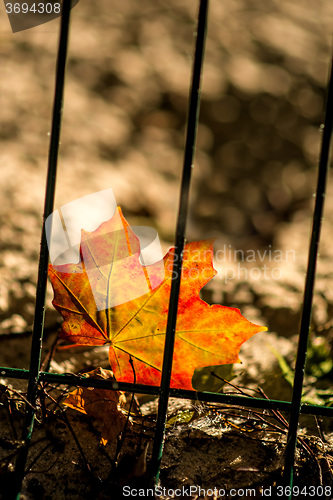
104 405
205 334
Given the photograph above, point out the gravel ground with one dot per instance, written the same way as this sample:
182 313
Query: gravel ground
123 128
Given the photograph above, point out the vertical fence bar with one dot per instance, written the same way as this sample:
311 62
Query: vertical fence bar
192 122
37 334
309 286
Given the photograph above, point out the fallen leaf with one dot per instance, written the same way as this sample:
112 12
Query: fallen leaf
205 334
104 405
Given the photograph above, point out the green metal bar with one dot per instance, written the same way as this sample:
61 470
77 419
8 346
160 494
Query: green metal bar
309 287
37 334
209 397
192 123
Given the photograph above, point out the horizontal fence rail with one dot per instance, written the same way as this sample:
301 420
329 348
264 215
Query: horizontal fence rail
71 379
164 392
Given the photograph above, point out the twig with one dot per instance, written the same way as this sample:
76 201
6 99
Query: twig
37 458
8 407
48 469
49 356
123 434
279 417
65 418
21 396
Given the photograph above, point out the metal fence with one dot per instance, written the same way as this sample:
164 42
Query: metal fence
35 376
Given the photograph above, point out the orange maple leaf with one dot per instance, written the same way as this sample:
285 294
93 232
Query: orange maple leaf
102 404
109 271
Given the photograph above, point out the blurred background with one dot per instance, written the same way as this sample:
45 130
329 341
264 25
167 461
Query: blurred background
126 97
